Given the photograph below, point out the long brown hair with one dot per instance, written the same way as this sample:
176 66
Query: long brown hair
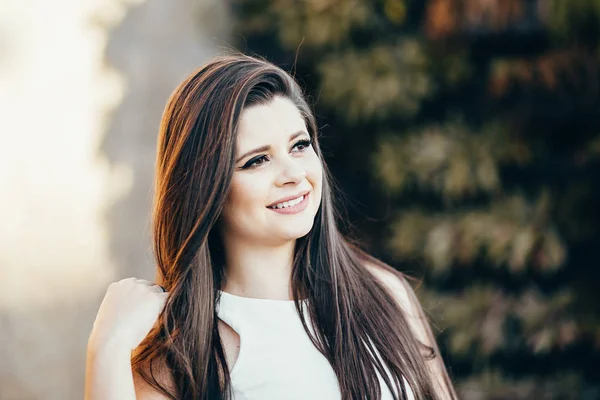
352 315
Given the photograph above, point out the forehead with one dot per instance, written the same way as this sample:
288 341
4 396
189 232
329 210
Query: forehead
260 124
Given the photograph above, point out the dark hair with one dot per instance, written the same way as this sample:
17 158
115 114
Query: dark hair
353 316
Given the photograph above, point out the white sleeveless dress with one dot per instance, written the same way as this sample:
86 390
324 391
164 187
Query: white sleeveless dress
277 360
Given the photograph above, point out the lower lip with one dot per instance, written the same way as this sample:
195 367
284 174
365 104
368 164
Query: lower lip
295 209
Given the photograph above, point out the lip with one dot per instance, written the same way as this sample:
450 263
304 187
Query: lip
295 209
284 199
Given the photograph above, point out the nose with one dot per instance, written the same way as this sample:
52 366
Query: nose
291 172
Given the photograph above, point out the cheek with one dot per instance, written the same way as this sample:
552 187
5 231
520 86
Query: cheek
314 173
245 193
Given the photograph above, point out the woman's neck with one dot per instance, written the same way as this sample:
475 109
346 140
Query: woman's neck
257 271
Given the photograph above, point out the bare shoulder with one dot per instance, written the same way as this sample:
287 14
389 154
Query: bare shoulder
145 391
397 285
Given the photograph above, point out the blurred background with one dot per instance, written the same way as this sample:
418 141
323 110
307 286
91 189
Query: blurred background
464 135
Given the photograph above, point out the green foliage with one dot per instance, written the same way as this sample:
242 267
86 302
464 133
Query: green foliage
507 233
566 17
382 81
487 159
328 21
478 318
446 158
494 385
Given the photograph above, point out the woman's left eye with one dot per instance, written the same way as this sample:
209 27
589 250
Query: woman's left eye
302 145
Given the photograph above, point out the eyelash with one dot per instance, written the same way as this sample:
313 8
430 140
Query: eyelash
253 163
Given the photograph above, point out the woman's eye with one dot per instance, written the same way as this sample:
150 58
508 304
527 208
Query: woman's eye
255 162
302 145
299 146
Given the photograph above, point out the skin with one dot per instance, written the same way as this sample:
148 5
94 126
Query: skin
127 313
252 232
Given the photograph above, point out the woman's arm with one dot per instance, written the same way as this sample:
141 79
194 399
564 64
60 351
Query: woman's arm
399 287
128 311
108 374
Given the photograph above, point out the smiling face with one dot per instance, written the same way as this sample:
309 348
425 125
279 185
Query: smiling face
276 187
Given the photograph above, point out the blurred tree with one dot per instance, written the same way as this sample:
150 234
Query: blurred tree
470 130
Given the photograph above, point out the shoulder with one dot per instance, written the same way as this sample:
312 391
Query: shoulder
146 391
396 283
390 278
398 287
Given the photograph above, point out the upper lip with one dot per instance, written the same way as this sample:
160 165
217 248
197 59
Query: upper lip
288 198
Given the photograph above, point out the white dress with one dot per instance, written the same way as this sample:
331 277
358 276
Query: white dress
277 360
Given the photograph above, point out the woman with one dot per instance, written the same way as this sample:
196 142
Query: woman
265 299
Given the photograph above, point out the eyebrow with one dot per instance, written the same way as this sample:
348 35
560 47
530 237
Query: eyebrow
265 148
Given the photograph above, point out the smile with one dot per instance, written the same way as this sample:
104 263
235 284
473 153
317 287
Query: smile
293 206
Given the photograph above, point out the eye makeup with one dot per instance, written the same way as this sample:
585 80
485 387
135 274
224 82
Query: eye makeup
260 159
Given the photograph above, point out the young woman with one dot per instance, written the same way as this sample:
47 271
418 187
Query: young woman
261 297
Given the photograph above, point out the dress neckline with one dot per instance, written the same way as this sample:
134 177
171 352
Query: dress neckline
255 300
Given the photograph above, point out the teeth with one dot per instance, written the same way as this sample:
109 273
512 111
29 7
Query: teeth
288 203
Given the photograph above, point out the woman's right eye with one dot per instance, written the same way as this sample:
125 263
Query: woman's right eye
255 162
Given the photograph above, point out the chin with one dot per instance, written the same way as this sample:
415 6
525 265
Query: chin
297 232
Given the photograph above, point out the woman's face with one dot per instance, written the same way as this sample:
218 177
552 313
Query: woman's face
276 188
